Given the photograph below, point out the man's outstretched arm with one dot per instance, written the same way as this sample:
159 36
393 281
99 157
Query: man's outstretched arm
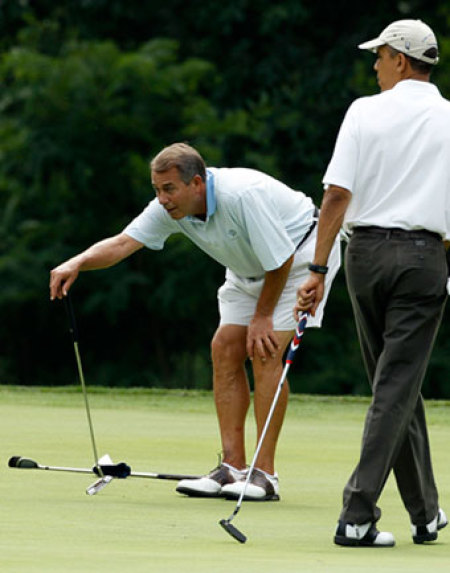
101 255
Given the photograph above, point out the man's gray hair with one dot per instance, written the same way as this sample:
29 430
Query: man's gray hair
185 158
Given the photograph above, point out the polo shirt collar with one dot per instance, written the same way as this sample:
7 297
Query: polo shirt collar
417 85
211 203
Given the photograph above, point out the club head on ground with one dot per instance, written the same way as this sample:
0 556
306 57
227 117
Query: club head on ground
120 470
233 531
99 485
18 462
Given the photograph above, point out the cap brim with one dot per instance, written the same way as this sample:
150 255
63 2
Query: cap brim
372 44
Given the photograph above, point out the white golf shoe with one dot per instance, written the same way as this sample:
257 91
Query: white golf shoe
210 485
429 532
261 487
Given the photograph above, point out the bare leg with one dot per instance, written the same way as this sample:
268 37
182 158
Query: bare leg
267 376
231 390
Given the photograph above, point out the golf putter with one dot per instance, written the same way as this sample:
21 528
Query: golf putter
295 343
104 479
74 332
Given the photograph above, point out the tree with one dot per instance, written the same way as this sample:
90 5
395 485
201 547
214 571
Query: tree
88 92
77 129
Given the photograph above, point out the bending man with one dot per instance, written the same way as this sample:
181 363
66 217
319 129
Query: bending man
263 233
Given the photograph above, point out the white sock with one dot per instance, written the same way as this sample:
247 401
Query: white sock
269 476
232 468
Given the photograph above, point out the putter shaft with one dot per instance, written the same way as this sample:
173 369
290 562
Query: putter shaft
295 343
86 403
74 332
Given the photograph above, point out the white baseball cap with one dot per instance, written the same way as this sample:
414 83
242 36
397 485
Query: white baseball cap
411 37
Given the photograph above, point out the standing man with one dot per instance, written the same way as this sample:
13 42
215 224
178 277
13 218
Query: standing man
389 182
263 233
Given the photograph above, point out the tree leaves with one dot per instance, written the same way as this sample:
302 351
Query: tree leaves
91 89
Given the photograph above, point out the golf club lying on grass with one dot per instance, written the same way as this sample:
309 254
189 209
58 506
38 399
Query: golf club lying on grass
120 470
295 343
104 467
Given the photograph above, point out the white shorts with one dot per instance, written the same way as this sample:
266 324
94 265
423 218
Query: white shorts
238 296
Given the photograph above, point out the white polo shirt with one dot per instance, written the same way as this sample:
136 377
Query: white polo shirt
393 154
253 225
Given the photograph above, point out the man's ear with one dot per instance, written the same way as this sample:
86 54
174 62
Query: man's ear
197 180
402 62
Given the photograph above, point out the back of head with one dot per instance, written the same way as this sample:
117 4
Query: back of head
410 37
185 158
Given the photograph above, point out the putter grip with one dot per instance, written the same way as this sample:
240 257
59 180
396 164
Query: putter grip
295 343
71 316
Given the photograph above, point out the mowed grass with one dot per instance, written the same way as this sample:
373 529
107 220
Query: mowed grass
49 524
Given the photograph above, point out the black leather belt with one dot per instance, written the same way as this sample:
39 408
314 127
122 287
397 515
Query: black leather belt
311 228
397 233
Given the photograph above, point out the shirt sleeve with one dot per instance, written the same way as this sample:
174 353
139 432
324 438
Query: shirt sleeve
341 170
152 227
266 231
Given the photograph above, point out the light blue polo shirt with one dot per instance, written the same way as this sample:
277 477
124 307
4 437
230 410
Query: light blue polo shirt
253 225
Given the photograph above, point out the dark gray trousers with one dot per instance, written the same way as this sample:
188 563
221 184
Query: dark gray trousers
397 285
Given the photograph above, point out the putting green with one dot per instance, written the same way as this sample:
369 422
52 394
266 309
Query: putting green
48 523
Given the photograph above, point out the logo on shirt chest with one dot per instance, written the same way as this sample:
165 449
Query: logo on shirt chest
231 233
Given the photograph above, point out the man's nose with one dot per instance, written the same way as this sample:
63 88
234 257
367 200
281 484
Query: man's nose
162 198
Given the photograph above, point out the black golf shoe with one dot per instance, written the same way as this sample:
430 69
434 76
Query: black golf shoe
429 532
365 535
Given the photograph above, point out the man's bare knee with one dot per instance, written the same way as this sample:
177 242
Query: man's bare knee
228 346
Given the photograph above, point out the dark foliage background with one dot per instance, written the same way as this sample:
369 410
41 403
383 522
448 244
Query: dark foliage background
90 90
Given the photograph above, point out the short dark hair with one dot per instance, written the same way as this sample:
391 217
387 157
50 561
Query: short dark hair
418 65
185 158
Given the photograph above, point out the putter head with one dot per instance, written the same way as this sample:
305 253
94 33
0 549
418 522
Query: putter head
99 485
233 531
120 470
108 468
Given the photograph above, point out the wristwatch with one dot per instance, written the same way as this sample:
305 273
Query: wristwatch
322 270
